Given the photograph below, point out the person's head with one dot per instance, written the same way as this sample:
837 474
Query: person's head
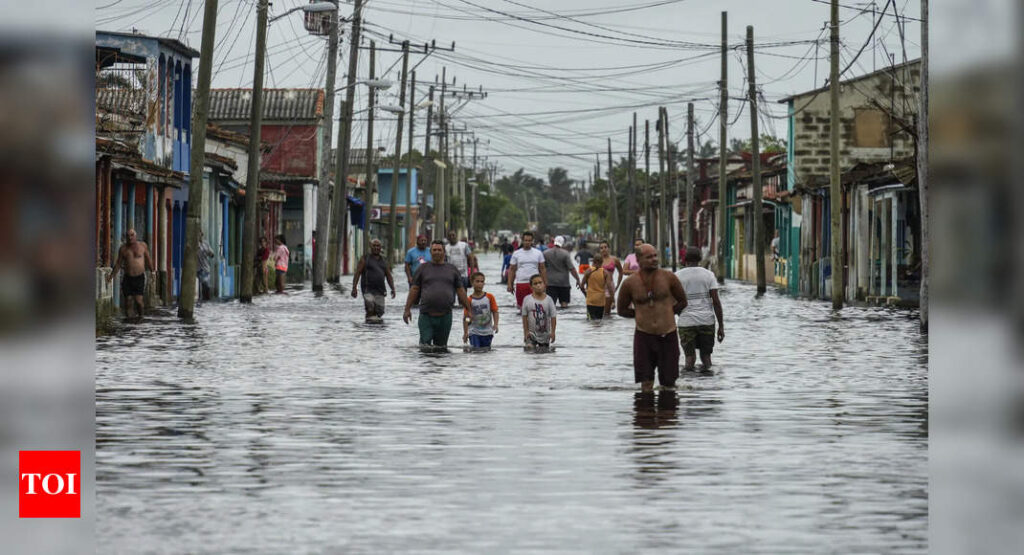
279 239
559 241
375 247
605 248
477 279
537 284
437 251
648 257
314 234
451 237
263 241
131 236
776 233
596 260
692 257
637 243
527 239
421 242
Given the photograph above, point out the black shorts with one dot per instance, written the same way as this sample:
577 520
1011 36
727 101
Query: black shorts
656 351
697 337
132 286
595 312
560 294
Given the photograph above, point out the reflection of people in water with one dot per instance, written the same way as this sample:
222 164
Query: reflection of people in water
655 410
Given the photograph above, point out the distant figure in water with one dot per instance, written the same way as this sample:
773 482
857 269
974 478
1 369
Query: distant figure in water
480 323
539 316
281 256
433 286
374 271
696 323
133 257
653 296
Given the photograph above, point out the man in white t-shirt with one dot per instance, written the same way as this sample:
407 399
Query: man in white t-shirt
461 256
696 323
524 263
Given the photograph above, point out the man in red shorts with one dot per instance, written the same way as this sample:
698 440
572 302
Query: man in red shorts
524 263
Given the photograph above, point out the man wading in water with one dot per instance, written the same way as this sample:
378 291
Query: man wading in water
134 257
653 296
434 286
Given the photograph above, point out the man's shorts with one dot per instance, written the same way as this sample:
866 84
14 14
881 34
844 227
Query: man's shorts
584 268
697 337
434 330
479 341
374 303
523 290
656 351
559 293
132 286
595 312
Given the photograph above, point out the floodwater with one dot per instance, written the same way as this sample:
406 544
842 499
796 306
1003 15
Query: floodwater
291 426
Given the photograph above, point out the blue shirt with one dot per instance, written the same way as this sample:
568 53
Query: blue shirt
415 257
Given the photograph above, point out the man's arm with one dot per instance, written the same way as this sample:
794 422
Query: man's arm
676 288
463 299
414 295
586 278
575 276
494 313
526 328
359 271
408 272
624 302
618 266
554 324
718 314
149 260
512 276
117 264
391 280
543 271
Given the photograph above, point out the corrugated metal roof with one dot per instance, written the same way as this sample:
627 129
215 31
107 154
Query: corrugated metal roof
122 101
278 104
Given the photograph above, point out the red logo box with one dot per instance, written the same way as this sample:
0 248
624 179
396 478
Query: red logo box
49 484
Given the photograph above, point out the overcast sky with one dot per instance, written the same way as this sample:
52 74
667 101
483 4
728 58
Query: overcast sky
562 76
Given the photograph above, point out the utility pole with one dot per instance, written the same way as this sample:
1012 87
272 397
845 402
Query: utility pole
440 188
631 221
339 218
187 295
323 193
835 192
410 224
473 185
371 168
662 178
691 179
428 163
755 153
723 154
647 181
922 166
393 224
674 184
614 201
252 178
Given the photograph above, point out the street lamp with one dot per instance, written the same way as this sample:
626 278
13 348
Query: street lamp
315 7
392 108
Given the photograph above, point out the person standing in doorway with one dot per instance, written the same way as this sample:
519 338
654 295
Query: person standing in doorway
433 287
134 257
696 323
653 296
524 263
374 271
416 256
559 266
281 257
461 256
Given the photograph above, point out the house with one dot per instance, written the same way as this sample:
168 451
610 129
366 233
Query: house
740 248
290 168
877 115
143 146
223 214
382 205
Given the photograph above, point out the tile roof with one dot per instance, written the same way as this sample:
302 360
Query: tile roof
278 104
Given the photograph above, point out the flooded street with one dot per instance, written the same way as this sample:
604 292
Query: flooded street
289 425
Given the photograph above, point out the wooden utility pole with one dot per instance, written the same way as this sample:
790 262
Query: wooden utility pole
662 179
755 154
410 224
339 209
428 165
723 153
323 193
371 168
613 199
252 178
647 181
835 191
673 207
691 179
187 295
922 165
630 229
392 238
440 187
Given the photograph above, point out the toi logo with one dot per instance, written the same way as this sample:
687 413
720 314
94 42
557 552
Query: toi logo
49 484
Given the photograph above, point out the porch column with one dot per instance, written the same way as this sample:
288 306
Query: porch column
118 234
131 208
149 214
894 243
309 203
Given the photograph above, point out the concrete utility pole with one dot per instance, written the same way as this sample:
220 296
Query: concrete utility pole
339 212
922 165
631 221
323 193
662 179
723 154
691 179
473 184
647 181
835 192
674 186
755 153
187 295
252 178
371 168
410 224
393 225
613 199
428 165
440 188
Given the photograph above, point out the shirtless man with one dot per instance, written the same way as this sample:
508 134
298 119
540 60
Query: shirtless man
653 296
134 256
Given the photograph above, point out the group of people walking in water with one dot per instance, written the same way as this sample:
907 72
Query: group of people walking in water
672 311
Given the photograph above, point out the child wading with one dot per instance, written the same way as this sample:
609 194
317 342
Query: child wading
481 320
539 317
